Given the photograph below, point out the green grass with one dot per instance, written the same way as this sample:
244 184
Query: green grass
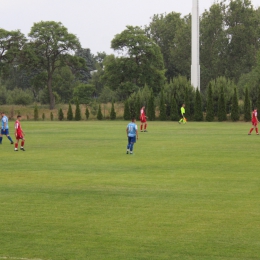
188 192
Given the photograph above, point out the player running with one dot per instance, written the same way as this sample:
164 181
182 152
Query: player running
19 134
143 119
132 135
5 128
254 122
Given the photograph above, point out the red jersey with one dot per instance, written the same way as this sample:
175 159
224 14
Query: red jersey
18 129
142 115
254 116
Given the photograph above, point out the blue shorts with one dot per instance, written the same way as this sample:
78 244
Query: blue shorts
131 139
5 132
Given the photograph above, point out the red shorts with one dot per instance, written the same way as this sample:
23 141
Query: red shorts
18 136
143 119
254 123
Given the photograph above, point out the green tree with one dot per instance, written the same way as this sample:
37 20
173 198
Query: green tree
87 113
70 113
162 107
36 113
43 116
61 115
247 108
113 112
77 112
210 107
51 116
235 109
151 108
222 114
140 63
187 103
198 115
48 49
127 115
99 114
174 110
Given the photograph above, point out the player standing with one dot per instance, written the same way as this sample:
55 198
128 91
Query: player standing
132 135
5 128
183 119
143 119
254 122
19 134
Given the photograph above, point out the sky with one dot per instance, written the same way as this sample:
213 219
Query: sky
94 22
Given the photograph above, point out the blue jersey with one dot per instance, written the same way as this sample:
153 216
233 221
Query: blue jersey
132 128
5 122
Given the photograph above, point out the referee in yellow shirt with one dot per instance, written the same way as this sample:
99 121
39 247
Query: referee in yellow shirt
183 119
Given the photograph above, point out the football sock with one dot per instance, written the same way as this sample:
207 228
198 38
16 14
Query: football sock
9 137
145 126
251 130
141 127
22 144
256 130
16 145
1 139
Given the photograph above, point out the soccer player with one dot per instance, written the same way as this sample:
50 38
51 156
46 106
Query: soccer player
19 134
132 135
183 119
143 119
5 128
254 122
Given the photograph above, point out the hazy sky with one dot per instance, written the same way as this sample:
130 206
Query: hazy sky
94 22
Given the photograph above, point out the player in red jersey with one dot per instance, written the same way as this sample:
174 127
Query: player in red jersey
143 119
254 122
19 134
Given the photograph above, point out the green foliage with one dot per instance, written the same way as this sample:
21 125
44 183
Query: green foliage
247 108
210 107
222 114
87 113
235 109
198 115
162 107
19 97
51 116
187 103
77 112
113 112
151 108
94 108
83 93
99 114
70 113
43 116
61 115
35 113
141 61
127 114
107 95
174 110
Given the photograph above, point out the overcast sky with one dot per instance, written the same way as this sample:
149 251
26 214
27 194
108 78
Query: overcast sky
94 22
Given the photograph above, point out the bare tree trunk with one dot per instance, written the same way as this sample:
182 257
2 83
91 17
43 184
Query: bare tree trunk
52 98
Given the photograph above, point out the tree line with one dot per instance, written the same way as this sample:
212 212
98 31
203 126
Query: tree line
50 66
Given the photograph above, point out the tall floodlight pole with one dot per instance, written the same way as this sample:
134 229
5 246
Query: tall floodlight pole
195 48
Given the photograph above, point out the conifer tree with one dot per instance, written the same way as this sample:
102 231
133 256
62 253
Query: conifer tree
137 107
61 115
35 113
174 110
151 108
113 112
77 112
235 109
43 116
187 103
127 115
210 106
162 116
258 101
198 115
51 115
99 114
70 113
87 113
247 109
222 114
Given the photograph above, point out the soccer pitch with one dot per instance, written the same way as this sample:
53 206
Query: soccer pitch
188 192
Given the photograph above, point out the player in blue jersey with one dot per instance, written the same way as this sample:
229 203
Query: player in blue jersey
132 135
5 128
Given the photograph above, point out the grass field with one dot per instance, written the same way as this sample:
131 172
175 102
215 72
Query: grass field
189 192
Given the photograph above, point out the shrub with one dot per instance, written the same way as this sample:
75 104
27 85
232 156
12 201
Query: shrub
51 116
43 116
198 115
210 105
112 112
78 112
235 109
127 115
99 114
247 110
61 115
35 113
87 113
70 113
